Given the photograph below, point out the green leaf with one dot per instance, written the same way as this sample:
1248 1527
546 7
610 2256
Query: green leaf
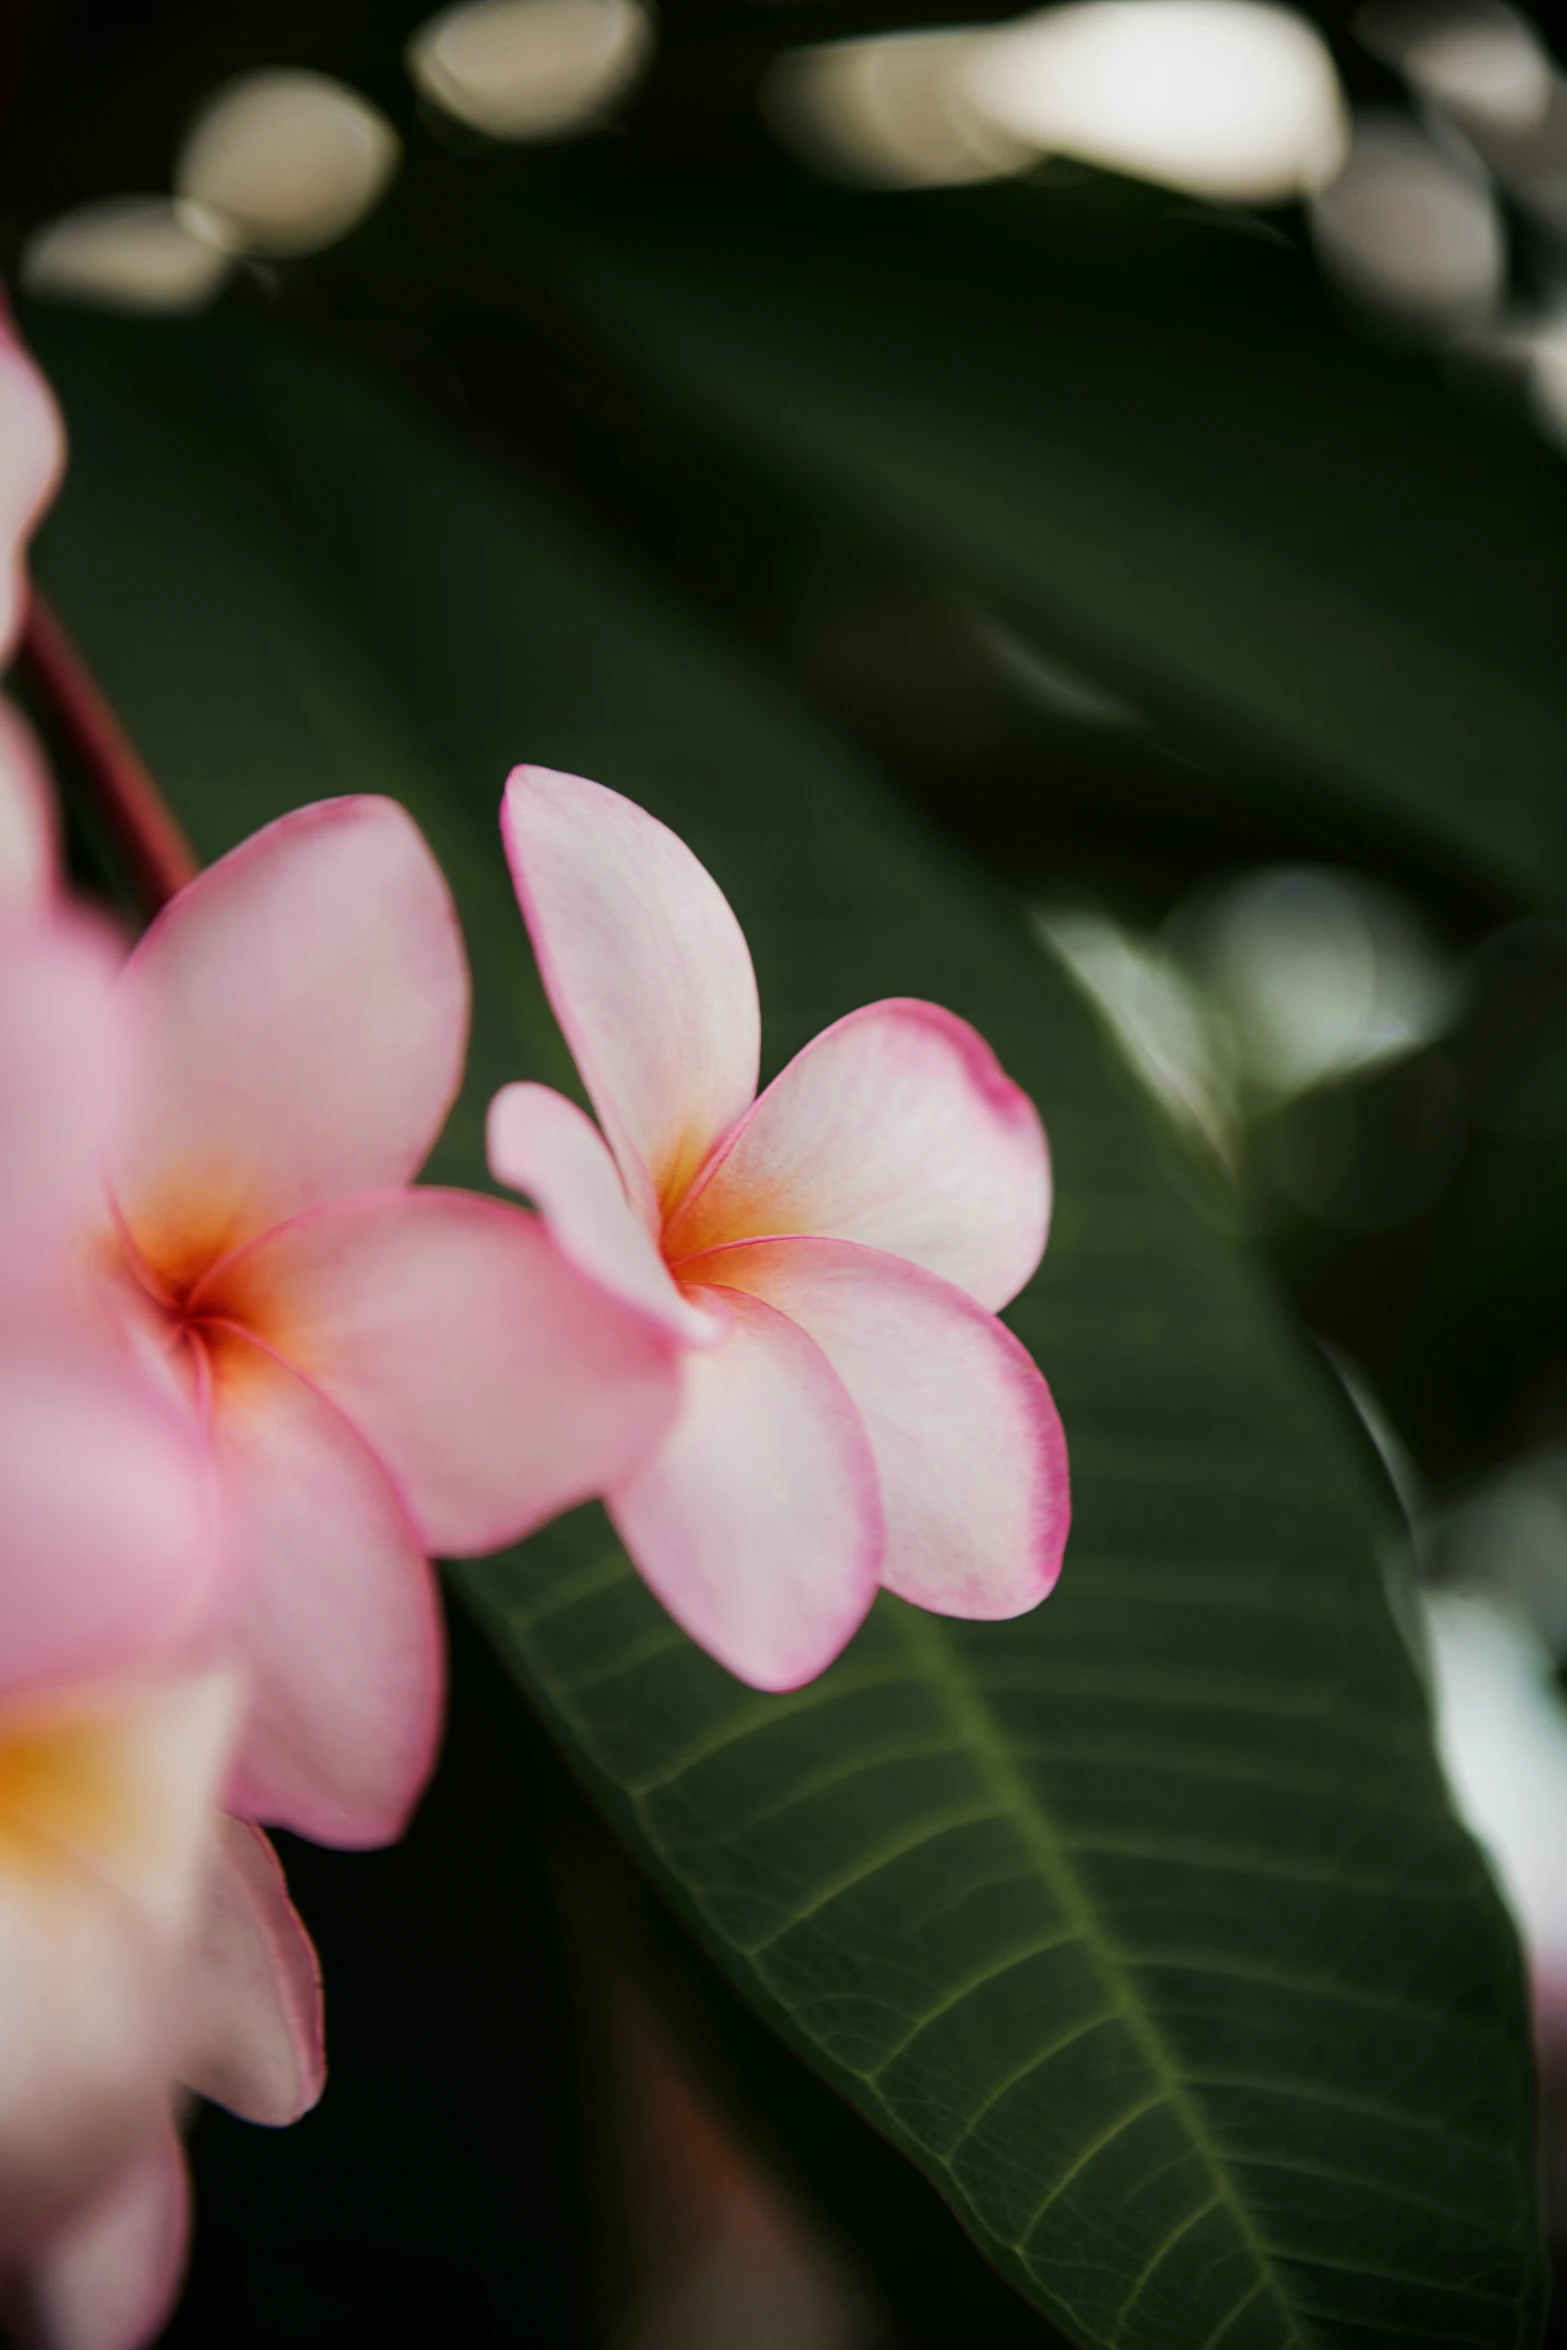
1312 565
1142 1924
921 2276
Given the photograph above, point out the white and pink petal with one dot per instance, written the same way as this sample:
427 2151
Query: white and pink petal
255 2040
758 1522
109 1808
647 970
107 2276
896 1127
542 1144
969 1451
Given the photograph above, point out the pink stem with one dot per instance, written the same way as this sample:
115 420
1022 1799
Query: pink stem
159 859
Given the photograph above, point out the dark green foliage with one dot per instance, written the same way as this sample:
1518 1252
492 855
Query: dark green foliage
1302 557
1142 1925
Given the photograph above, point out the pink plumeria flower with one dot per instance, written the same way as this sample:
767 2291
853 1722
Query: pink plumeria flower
829 1257
143 1936
383 1373
115 1732
106 2274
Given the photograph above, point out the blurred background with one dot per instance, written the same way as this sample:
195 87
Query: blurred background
1267 309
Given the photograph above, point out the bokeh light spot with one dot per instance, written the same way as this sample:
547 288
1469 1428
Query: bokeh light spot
893 112
1227 99
1409 227
285 162
530 69
139 253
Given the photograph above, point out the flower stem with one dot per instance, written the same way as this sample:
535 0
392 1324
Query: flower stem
159 859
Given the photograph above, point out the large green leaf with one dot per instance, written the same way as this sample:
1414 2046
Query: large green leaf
1142 1924
1314 565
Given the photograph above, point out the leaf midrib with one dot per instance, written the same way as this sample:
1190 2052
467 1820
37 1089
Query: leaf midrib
971 1717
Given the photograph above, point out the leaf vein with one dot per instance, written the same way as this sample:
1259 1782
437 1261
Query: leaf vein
955 1997
868 1864
1022 2072
1160 2254
1157 2098
966 1703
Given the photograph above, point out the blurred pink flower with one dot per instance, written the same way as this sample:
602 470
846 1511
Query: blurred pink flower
115 1733
107 1819
32 454
829 1257
382 1372
143 1936
105 2274
27 853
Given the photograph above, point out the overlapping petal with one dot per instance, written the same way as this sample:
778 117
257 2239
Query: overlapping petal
542 1144
492 1380
303 1012
758 1522
255 2040
111 1542
82 1994
104 2273
967 1441
62 1083
647 970
108 1807
121 1780
896 1127
339 1625
107 2277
